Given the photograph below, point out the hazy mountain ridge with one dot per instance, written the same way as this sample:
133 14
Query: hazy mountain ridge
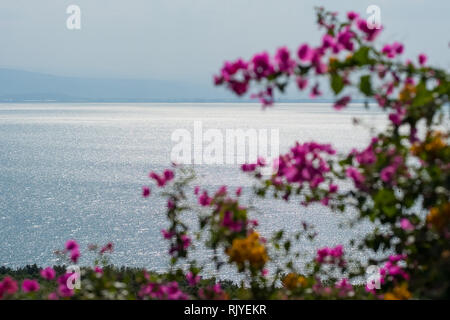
25 86
17 85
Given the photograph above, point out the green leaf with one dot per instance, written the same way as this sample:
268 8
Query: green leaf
365 85
361 56
337 84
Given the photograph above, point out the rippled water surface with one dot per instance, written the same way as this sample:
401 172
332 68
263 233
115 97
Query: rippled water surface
76 171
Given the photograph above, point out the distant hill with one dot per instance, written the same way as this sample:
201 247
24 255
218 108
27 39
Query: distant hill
17 86
25 86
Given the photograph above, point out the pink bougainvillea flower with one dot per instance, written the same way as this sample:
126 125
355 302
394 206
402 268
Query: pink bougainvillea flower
64 291
204 200
53 296
298 166
160 181
248 167
344 39
221 192
351 15
422 59
109 247
98 270
171 204
305 53
333 188
8 286
192 279
367 156
196 190
388 51
238 191
75 255
63 280
171 291
186 241
331 255
167 234
356 176
283 60
71 245
397 47
48 273
387 173
30 286
371 34
327 41
302 83
168 175
145 191
229 223
261 65
315 92
345 287
231 68
342 102
406 225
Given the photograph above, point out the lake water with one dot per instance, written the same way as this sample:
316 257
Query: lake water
76 171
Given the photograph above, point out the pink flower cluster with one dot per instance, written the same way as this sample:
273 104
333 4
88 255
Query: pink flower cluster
388 173
182 242
74 250
344 287
109 247
221 200
48 273
391 50
162 179
305 163
367 156
397 116
354 174
238 74
331 256
8 286
406 225
169 291
192 279
30 286
392 269
214 292
230 223
63 281
370 34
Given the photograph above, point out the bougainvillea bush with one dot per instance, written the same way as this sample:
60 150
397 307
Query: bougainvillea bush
399 182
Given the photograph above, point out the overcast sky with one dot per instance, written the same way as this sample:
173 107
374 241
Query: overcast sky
188 40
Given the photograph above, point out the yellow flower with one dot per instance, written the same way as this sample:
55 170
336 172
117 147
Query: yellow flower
445 254
249 249
332 60
407 93
399 293
439 217
331 63
293 280
435 142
